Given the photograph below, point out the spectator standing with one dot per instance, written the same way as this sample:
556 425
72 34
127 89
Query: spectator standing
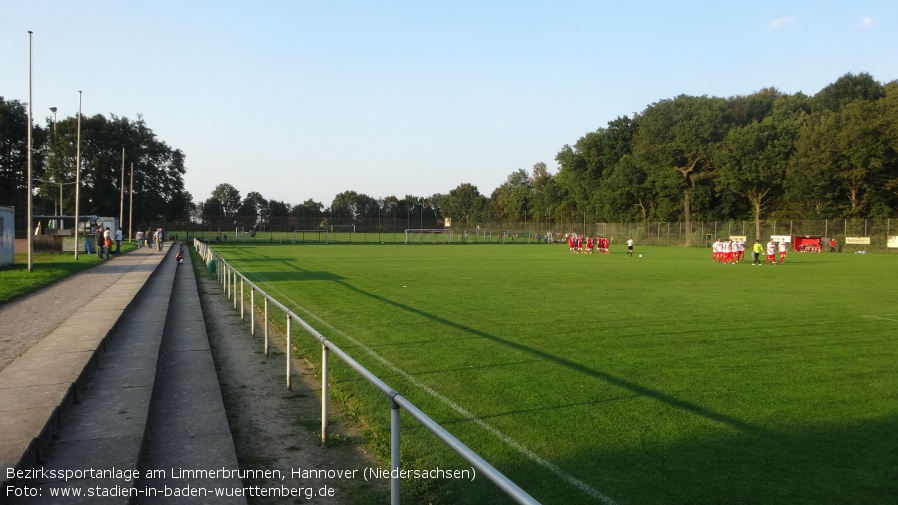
98 237
107 239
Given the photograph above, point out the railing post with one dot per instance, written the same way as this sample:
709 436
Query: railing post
235 287
266 327
242 303
394 451
252 310
289 348
324 391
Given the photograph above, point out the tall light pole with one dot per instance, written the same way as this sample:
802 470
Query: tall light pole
121 196
77 176
131 205
53 110
30 211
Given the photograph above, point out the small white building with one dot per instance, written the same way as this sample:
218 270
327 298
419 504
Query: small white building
7 235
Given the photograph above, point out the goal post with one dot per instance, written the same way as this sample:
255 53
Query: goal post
428 236
321 236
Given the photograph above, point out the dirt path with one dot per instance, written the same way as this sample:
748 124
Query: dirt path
274 428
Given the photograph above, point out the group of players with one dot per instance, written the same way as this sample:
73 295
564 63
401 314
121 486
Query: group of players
730 252
581 244
771 252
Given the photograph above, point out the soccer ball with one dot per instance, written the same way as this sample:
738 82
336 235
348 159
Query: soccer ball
640 255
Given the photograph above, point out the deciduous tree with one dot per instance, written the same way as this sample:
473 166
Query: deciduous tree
680 135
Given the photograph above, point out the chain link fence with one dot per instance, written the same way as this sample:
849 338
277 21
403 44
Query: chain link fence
851 235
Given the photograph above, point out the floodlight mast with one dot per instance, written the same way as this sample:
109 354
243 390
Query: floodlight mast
77 175
131 205
121 201
30 210
59 177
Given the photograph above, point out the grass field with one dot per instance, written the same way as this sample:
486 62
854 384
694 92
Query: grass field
610 379
16 281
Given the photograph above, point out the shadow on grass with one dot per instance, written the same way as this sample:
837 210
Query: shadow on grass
739 464
855 464
295 275
577 367
751 465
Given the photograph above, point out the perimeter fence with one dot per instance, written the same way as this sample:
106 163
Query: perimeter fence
850 235
235 285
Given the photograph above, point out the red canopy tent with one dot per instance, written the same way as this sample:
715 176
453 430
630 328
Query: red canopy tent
807 244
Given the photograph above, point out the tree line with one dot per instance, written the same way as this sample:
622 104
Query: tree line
767 155
158 169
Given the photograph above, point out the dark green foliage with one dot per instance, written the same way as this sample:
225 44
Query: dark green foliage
158 168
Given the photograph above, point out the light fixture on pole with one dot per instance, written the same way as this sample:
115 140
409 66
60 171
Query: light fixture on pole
77 175
30 211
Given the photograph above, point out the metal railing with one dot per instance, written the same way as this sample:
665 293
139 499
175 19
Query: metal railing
230 277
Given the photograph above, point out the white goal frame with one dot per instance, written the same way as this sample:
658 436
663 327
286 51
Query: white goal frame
434 233
302 234
342 228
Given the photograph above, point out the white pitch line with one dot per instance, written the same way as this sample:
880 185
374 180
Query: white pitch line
880 317
570 479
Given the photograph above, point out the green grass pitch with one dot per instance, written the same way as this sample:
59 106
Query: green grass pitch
613 379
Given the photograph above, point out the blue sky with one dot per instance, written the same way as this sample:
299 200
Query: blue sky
301 99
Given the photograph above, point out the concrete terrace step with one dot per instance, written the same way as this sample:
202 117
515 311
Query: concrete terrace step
188 425
105 429
150 401
38 388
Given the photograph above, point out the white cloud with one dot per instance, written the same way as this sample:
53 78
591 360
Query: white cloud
778 23
865 23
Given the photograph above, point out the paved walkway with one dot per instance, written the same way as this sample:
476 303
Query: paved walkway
82 385
38 314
